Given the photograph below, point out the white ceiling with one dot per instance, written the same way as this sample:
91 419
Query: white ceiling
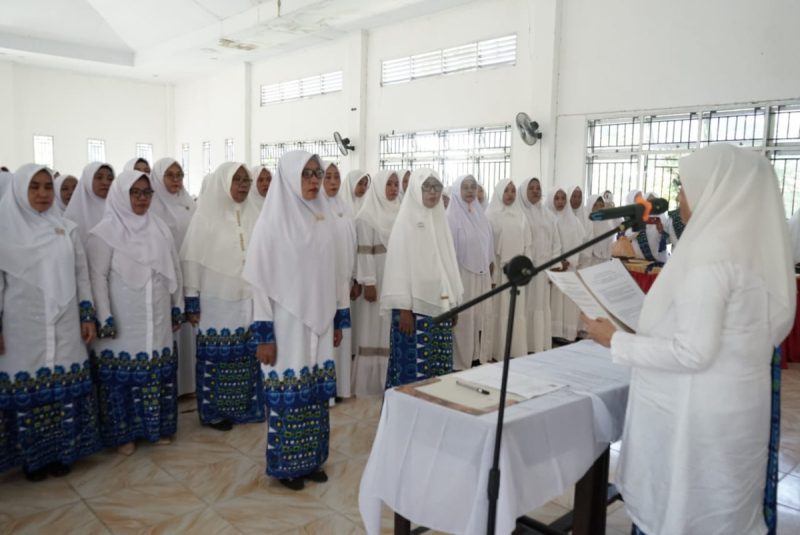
174 40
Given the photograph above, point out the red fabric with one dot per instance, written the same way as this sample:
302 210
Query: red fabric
790 348
644 280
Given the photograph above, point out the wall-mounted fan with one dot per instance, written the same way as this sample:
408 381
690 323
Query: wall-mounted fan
528 129
343 143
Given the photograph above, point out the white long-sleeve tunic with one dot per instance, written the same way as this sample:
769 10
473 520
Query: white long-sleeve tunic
694 448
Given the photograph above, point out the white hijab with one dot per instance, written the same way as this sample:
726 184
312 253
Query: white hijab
138 241
291 251
85 208
580 212
57 183
596 228
475 245
608 199
570 230
542 223
509 227
344 228
215 247
352 180
377 211
794 231
130 165
737 217
254 196
6 178
421 266
37 246
176 209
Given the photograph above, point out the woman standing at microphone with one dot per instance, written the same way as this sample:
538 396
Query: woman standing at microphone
698 453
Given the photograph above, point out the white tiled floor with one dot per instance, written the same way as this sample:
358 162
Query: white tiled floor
213 482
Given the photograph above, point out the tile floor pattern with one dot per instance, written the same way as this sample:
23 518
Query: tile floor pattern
213 482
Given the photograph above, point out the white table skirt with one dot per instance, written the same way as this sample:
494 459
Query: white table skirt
430 463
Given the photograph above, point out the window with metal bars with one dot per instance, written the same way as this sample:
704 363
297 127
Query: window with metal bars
43 150
96 150
270 153
484 152
320 84
642 152
145 150
206 157
230 150
185 158
468 57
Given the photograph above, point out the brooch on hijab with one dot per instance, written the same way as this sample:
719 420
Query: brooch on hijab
319 217
60 231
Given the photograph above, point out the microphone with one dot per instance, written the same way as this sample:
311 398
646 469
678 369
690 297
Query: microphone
641 210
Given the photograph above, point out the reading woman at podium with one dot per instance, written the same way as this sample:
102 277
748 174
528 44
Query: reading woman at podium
699 449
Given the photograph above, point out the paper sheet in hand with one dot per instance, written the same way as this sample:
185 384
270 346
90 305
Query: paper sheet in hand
519 384
605 290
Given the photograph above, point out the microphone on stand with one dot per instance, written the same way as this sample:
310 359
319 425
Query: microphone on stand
640 211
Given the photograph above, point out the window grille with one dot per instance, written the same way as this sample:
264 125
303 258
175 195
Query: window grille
96 149
43 150
320 84
484 152
467 57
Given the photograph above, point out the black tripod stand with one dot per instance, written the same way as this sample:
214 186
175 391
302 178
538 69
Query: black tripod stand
520 270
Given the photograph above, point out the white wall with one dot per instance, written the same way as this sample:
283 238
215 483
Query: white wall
74 107
211 109
631 55
486 97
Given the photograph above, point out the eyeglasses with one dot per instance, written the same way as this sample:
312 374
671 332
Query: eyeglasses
137 193
436 188
239 180
173 176
311 173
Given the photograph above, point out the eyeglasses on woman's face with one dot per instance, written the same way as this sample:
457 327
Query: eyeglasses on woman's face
313 173
244 181
137 193
434 187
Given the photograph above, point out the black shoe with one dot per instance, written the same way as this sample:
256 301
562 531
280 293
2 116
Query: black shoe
35 475
338 399
58 469
318 476
222 425
476 362
292 483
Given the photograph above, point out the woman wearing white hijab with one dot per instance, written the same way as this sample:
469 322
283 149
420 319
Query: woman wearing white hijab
405 176
48 413
571 232
373 227
136 281
173 204
512 237
472 237
219 301
422 280
262 177
698 448
291 267
87 205
546 246
137 164
358 183
651 243
345 236
446 193
6 177
599 252
64 187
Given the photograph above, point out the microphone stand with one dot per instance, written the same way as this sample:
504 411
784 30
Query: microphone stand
520 270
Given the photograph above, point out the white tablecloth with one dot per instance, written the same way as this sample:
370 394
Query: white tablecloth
431 463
